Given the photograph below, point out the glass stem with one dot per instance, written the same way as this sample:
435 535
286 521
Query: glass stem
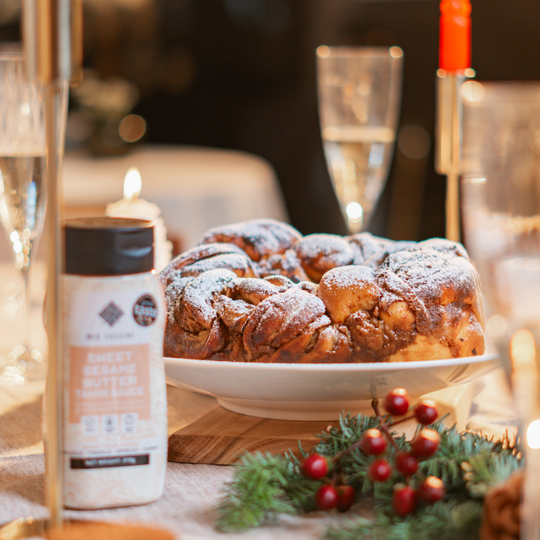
27 311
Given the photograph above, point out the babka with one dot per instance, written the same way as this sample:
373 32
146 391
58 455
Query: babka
259 291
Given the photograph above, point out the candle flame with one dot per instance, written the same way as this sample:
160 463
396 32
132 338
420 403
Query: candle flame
132 184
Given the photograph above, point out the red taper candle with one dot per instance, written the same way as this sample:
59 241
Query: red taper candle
455 35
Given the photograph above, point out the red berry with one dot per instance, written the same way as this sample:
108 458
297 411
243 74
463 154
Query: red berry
396 402
380 470
373 442
431 489
425 444
346 495
315 467
403 500
426 411
326 497
406 464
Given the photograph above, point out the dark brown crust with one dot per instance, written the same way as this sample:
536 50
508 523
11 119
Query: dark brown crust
286 264
406 300
208 257
319 253
365 245
279 319
259 238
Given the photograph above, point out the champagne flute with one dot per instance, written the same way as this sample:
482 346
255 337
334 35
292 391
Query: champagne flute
359 94
501 212
23 169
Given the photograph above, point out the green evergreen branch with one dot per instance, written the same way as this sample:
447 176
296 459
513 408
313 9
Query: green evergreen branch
266 485
485 470
443 520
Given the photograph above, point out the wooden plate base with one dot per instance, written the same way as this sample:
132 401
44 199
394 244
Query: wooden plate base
220 437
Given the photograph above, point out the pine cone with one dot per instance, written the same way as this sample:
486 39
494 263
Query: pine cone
501 511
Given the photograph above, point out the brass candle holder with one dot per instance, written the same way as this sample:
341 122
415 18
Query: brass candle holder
448 150
52 40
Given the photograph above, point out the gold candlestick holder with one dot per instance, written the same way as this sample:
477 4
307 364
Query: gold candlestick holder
52 40
52 35
448 150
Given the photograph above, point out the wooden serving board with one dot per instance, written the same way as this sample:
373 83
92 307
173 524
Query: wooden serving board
220 437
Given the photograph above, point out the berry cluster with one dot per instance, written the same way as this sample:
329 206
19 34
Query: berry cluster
389 460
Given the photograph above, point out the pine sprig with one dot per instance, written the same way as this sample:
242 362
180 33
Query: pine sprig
354 465
266 485
458 448
485 470
443 520
350 430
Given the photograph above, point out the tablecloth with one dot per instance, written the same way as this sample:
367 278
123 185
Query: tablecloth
191 491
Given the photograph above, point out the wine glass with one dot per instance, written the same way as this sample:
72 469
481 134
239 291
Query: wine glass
359 93
501 213
23 169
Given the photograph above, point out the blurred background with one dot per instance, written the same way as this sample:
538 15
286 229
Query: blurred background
240 74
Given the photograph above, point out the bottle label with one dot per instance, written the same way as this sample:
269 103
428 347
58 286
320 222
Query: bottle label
105 462
114 378
110 333
145 310
110 351
115 414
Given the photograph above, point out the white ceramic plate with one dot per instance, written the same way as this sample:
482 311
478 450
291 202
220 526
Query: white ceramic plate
318 391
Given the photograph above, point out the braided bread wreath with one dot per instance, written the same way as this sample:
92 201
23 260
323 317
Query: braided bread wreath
259 291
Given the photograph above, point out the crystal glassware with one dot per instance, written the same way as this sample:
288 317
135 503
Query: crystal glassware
501 212
359 94
23 172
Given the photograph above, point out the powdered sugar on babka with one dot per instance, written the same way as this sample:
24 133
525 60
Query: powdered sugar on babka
260 292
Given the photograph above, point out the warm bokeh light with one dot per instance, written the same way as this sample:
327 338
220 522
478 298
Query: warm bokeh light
469 73
522 349
414 141
477 181
473 91
132 128
533 435
396 52
354 212
496 326
132 184
323 51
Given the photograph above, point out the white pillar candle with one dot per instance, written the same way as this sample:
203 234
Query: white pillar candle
131 206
